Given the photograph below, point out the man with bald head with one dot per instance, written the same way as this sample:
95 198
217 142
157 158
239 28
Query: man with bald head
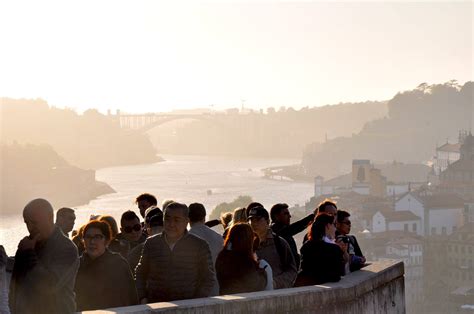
46 264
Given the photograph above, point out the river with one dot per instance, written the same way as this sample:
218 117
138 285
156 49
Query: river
182 178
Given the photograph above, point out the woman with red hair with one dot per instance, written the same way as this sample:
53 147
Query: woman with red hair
237 267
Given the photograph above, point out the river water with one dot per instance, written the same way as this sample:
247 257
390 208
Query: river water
182 178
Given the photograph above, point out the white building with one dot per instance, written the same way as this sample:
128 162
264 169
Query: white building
396 221
440 213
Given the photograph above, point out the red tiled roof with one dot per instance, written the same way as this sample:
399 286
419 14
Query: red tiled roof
402 215
451 148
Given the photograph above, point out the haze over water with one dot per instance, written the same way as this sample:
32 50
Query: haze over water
182 178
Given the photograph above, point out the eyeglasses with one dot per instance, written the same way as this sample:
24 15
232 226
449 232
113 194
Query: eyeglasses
96 237
129 229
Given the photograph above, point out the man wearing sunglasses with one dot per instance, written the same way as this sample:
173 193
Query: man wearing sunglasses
343 225
131 229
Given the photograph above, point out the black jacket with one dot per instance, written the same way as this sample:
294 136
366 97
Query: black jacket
321 262
104 282
288 231
43 278
237 273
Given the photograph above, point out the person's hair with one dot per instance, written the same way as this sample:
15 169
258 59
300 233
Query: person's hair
241 239
166 203
79 233
156 221
64 211
252 205
112 224
318 228
239 215
322 206
226 218
180 206
197 212
146 197
341 214
152 212
101 225
277 209
128 215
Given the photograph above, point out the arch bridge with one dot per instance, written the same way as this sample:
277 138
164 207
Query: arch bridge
146 122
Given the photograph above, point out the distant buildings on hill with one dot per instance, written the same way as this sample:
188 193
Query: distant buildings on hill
422 215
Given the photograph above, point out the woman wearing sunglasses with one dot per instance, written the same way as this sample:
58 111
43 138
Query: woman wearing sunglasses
104 279
322 259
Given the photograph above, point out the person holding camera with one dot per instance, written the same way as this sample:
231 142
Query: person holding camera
343 225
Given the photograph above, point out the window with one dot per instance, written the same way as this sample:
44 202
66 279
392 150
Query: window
443 230
405 227
433 230
414 227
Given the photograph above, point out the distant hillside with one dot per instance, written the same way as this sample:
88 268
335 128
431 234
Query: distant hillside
32 171
277 133
89 141
417 121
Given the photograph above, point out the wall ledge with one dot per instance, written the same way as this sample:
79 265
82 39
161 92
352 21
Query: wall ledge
377 288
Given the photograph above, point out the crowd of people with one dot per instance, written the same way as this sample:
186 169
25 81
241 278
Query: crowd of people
156 258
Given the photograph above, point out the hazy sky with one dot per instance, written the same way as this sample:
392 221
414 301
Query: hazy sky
142 56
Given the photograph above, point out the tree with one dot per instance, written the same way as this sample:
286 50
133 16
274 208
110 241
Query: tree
240 201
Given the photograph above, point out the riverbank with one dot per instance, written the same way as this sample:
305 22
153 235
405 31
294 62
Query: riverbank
288 172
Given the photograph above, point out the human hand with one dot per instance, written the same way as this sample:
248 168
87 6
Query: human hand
28 243
342 245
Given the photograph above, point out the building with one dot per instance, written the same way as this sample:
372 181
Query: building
390 220
445 155
448 153
458 177
440 213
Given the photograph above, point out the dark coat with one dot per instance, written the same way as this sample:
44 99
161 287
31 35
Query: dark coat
104 282
321 262
237 273
186 272
43 278
288 231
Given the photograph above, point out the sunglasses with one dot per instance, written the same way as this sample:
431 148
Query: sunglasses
129 229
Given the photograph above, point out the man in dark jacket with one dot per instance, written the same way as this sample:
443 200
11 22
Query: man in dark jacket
281 225
175 264
46 264
343 225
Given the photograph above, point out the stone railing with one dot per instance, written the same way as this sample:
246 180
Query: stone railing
378 288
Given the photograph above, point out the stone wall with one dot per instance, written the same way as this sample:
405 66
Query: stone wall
378 288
